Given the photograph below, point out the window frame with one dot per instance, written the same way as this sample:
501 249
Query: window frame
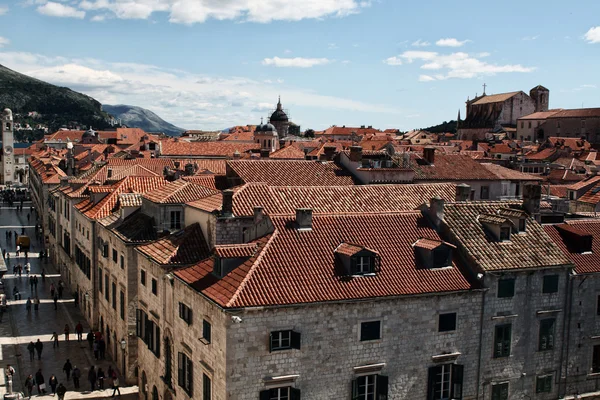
543 383
379 384
154 286
547 334
550 284
502 344
450 386
498 389
122 306
185 313
115 255
143 277
114 296
206 331
277 340
185 373
361 331
503 291
453 323
206 388
505 232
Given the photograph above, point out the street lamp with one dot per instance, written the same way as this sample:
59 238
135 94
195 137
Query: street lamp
123 344
87 296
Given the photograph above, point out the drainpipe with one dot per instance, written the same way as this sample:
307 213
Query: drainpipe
483 293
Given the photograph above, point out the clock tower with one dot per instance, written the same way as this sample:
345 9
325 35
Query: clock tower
8 152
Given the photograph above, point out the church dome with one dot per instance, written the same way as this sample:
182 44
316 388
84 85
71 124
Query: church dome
266 128
279 115
90 133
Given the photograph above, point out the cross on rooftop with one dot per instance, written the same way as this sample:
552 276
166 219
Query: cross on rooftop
484 86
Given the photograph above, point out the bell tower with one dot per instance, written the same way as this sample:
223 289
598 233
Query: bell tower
8 153
541 97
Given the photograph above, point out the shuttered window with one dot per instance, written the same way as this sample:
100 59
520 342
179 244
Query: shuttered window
284 340
185 376
370 387
445 382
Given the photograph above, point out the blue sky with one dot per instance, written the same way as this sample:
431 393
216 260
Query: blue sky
210 64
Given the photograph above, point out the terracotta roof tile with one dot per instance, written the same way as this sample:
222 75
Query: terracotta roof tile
495 98
449 167
178 192
295 267
577 113
236 250
585 263
288 153
184 247
205 149
504 173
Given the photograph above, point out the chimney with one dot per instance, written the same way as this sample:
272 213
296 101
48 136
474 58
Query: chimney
429 154
227 207
463 192
355 153
264 153
259 214
176 164
304 218
436 210
532 195
109 172
236 155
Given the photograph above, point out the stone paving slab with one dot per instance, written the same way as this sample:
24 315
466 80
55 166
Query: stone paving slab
18 327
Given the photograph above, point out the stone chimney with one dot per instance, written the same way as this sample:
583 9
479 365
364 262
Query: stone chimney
265 153
109 173
436 210
355 153
429 154
227 206
304 218
532 195
259 214
463 192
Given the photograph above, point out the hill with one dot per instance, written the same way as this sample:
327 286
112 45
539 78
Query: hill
137 117
57 106
444 127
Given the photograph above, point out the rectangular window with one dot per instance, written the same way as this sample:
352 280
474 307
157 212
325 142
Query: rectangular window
504 233
280 393
550 284
283 340
500 391
370 387
185 313
596 359
445 382
114 296
502 340
100 279
546 341
206 387
154 287
363 265
143 277
175 219
522 225
598 305
506 287
115 255
122 262
543 384
206 331
106 286
447 322
105 250
122 298
184 373
370 331
485 193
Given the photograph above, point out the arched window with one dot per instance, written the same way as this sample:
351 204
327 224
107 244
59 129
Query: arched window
144 385
154 393
168 362
269 143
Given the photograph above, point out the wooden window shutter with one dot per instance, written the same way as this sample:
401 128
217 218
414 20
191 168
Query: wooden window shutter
296 340
157 340
294 394
354 389
265 395
189 320
457 381
381 385
270 342
433 371
353 265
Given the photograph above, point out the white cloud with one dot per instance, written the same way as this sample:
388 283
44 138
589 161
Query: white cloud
593 35
3 10
98 18
420 43
185 99
53 9
4 41
332 46
529 38
454 65
451 42
393 61
198 11
345 62
296 62
287 51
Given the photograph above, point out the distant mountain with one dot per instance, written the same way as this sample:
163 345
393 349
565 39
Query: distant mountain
57 106
138 117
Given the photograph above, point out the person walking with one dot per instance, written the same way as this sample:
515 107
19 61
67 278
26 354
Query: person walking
39 380
79 331
76 376
35 282
61 391
101 377
61 288
36 303
53 382
115 385
52 290
90 340
28 305
39 346
67 331
31 282
92 378
10 373
56 301
68 368
31 349
29 383
54 339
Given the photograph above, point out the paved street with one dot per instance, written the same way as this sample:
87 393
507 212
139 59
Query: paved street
18 327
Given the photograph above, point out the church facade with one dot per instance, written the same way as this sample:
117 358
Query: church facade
489 114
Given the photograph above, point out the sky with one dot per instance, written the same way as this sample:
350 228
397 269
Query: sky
212 64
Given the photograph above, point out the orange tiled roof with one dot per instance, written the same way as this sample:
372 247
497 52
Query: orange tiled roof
302 266
184 247
450 167
178 192
205 149
288 153
290 173
585 263
509 174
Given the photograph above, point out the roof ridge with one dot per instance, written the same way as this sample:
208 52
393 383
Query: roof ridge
259 258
